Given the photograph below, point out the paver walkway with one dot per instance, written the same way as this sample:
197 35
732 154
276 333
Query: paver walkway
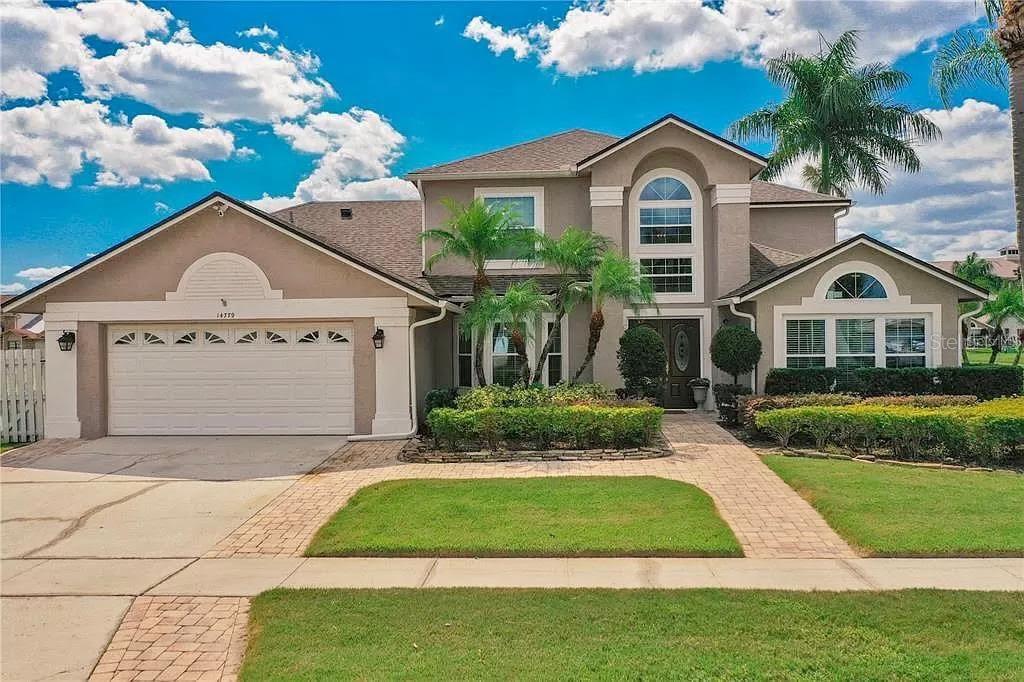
177 638
768 517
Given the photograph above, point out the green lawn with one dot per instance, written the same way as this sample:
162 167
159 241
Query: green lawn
901 511
634 635
552 516
980 356
4 447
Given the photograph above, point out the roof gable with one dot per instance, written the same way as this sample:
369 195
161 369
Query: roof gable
759 285
410 287
754 158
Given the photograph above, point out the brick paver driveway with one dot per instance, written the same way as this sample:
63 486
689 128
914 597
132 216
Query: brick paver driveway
769 519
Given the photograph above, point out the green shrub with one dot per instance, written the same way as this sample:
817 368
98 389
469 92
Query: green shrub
986 432
533 396
985 382
787 381
735 350
440 397
727 398
541 428
752 405
643 362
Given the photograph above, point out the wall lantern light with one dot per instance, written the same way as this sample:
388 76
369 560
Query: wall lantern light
378 338
66 341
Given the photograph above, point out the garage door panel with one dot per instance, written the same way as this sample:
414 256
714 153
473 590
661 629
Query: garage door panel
232 388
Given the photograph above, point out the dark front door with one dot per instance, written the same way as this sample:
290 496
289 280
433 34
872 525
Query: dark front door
682 344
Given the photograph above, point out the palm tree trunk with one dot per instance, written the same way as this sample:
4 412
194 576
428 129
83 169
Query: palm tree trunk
1017 135
965 331
543 357
596 325
997 344
1020 350
478 359
519 343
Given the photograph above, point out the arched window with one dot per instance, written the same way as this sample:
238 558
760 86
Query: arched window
666 212
856 285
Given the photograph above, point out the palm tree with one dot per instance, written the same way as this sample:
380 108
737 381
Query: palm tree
976 270
1008 302
839 118
574 254
477 233
618 278
478 321
522 307
993 55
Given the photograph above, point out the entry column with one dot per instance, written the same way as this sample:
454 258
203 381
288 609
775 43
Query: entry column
392 376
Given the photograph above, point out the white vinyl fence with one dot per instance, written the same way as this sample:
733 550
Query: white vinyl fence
21 396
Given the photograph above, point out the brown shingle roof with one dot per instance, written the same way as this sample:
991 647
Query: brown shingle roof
557 152
769 193
385 233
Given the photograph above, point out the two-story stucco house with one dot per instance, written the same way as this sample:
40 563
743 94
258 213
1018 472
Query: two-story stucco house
321 319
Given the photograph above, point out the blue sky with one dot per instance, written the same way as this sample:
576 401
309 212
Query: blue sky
339 100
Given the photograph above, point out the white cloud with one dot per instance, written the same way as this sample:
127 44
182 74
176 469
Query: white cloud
39 39
644 35
961 201
51 142
263 31
161 207
498 39
12 289
219 82
42 274
357 148
439 21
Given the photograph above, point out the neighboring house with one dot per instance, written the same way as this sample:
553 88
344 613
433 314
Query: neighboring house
24 331
224 319
1005 266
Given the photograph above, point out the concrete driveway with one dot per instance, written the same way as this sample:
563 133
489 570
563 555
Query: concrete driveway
86 528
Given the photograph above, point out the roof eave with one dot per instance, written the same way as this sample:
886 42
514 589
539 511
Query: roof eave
492 175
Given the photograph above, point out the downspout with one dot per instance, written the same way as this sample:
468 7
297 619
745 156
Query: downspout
413 413
960 332
753 328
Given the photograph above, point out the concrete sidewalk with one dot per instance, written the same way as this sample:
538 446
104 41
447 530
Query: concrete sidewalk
248 577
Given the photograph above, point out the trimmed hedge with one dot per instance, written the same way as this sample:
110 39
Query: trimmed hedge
988 432
533 396
985 382
541 428
751 406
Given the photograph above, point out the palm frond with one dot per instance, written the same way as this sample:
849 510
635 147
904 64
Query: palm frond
968 58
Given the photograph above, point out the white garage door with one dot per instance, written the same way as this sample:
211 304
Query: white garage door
237 379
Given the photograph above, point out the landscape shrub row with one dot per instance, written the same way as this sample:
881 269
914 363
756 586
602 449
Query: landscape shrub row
751 406
541 428
986 433
985 382
534 396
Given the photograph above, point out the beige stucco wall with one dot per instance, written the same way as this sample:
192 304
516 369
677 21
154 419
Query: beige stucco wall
923 288
364 373
566 202
147 271
800 230
91 357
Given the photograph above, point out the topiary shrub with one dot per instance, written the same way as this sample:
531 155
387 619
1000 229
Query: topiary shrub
439 397
735 350
643 362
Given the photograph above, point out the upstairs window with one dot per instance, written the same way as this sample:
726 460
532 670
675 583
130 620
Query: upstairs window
666 212
525 207
856 285
665 189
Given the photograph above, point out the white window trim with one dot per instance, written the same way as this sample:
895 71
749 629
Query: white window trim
693 250
538 216
931 314
563 332
533 346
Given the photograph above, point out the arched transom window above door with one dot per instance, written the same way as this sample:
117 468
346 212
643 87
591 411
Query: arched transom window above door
666 233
